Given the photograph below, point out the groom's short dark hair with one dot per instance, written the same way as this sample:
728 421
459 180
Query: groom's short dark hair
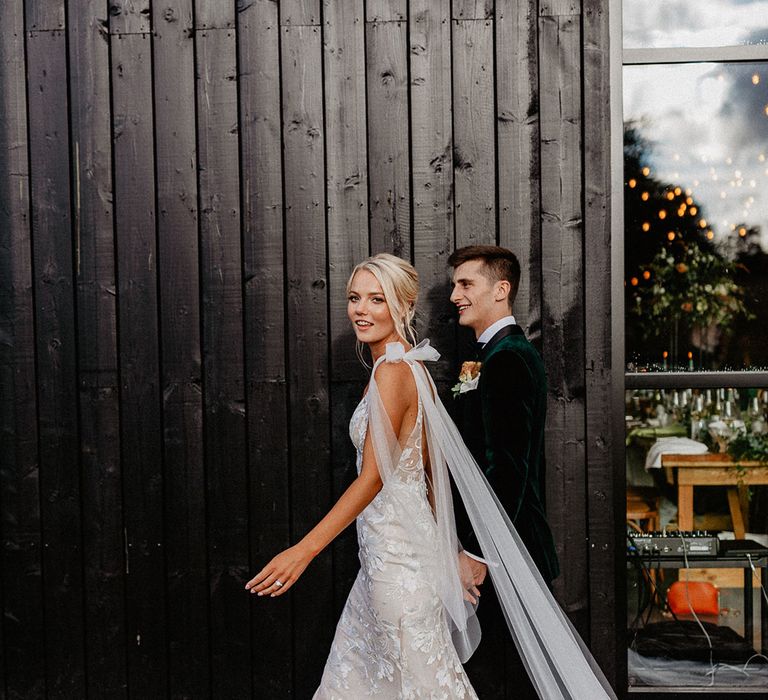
499 264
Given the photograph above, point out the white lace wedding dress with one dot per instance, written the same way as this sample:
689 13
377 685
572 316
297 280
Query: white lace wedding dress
392 640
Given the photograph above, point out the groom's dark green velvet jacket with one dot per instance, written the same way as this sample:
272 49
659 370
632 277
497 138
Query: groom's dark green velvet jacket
502 422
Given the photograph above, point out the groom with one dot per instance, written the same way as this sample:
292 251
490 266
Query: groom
502 423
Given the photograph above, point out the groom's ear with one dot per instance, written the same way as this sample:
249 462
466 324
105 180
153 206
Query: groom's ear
501 290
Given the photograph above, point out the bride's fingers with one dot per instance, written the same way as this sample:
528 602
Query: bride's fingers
264 583
257 579
279 590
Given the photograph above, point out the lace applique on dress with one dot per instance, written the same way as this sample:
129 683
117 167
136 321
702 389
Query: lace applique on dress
392 640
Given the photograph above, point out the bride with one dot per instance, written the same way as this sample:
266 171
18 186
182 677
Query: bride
409 621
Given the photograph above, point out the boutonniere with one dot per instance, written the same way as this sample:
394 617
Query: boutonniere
468 378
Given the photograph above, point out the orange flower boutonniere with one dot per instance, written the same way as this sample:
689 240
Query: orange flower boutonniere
468 378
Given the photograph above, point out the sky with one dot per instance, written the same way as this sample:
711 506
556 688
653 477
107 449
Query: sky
707 123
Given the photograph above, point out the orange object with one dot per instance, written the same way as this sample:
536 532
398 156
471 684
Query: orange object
701 598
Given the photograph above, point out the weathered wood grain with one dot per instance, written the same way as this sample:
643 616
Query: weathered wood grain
140 400
346 168
388 129
562 303
517 126
56 361
559 8
307 331
300 13
223 360
432 169
45 15
386 10
173 75
473 9
97 342
474 133
22 637
605 488
264 319
130 16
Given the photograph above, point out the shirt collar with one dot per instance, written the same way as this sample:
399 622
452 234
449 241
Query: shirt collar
494 328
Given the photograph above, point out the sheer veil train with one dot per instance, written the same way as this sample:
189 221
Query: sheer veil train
556 658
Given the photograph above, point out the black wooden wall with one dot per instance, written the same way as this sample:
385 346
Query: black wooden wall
184 188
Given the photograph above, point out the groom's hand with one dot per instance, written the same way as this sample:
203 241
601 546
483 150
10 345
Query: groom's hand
472 575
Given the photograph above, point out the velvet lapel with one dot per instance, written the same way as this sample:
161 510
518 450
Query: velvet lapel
500 335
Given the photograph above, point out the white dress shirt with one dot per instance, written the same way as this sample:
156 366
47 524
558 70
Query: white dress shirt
494 328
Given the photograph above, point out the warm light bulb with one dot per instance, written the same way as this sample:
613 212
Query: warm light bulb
646 274
634 281
632 183
755 79
710 235
689 201
670 196
671 236
663 214
646 171
692 211
644 196
702 223
678 191
646 226
742 232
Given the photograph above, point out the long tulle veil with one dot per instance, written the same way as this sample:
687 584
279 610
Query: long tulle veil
556 658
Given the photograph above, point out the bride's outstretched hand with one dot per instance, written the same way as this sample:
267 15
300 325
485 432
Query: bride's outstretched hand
281 573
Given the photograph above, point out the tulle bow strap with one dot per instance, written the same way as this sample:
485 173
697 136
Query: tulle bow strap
423 352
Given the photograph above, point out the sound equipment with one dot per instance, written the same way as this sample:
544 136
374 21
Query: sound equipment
697 543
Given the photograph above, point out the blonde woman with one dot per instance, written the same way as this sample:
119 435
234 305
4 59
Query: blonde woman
409 621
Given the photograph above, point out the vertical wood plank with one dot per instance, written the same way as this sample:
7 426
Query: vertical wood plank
517 120
604 501
347 206
23 634
346 167
388 129
386 10
97 336
140 407
473 9
300 13
432 169
44 15
307 317
129 16
223 360
173 76
265 354
474 149
56 362
563 307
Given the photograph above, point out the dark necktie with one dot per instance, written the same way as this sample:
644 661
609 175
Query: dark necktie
479 350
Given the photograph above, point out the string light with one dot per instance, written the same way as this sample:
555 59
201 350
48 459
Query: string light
632 183
710 235
693 211
689 201
678 191
702 223
634 281
646 226
742 232
670 196
644 196
646 274
755 79
663 214
671 236
646 171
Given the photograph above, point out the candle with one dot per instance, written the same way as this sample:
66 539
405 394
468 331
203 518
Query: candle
664 356
690 361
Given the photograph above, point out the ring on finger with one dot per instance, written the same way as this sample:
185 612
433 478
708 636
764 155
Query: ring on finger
278 583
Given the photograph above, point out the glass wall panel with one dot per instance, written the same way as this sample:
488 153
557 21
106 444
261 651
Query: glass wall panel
694 23
697 611
696 216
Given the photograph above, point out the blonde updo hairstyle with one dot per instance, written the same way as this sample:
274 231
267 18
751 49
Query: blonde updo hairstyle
400 283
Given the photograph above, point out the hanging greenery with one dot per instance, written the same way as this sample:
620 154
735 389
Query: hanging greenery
691 285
